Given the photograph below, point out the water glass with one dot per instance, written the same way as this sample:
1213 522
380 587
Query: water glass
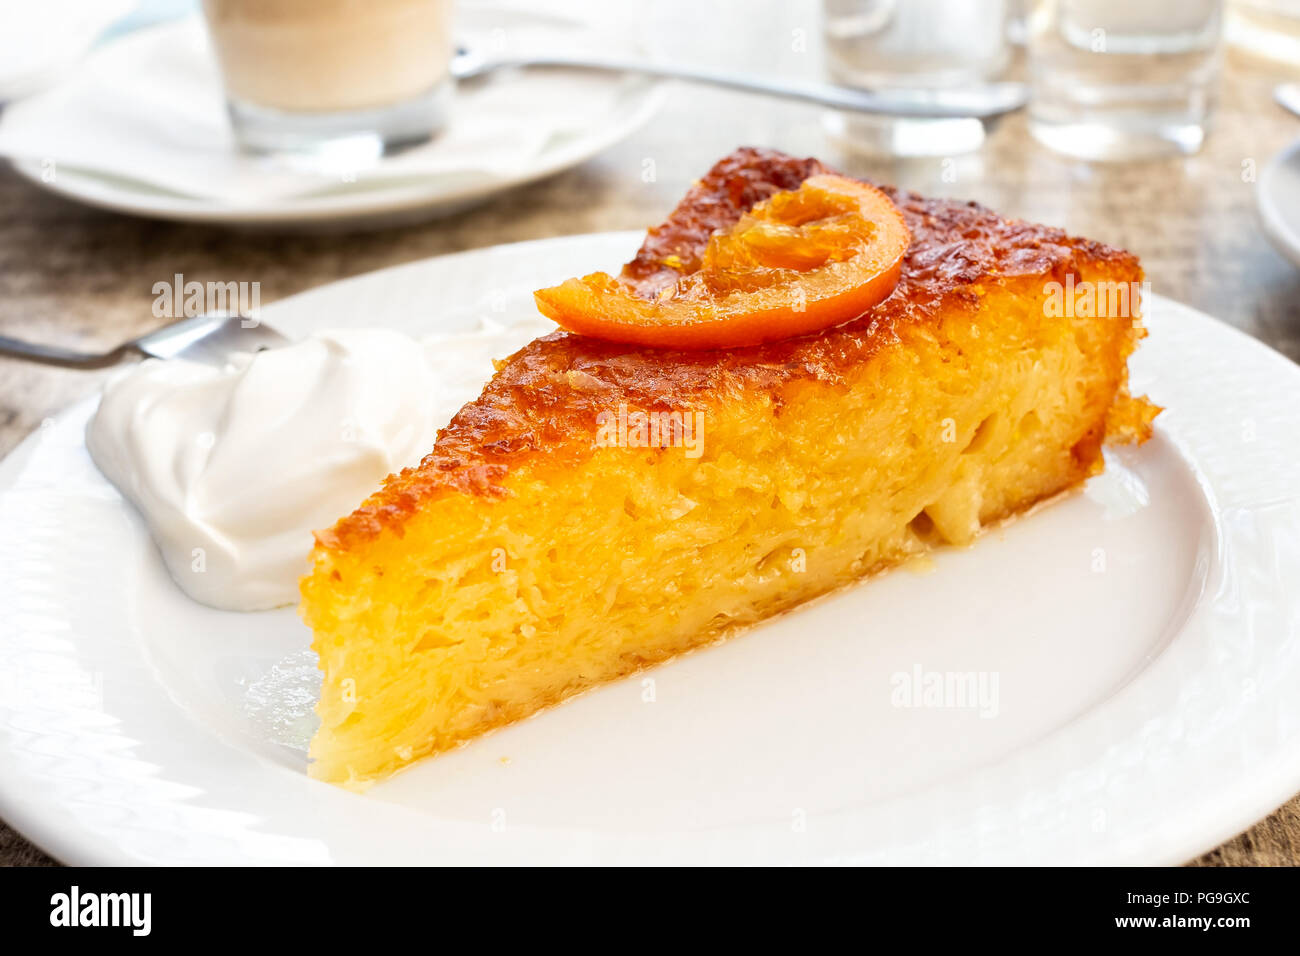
1119 79
1268 28
913 46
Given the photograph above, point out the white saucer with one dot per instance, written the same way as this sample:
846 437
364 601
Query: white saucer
1277 197
1144 635
140 178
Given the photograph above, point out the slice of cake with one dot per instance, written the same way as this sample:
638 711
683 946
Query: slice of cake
604 507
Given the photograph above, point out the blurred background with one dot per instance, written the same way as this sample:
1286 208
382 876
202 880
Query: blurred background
1156 126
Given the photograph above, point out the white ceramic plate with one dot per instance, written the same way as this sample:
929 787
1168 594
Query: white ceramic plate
611 109
1144 636
1277 198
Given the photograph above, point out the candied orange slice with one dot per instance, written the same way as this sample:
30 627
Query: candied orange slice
797 262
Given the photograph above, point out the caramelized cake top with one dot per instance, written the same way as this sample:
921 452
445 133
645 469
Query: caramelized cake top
545 397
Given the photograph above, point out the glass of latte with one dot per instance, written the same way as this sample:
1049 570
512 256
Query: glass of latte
352 77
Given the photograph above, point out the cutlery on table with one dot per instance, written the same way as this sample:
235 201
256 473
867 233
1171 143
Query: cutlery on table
1287 96
210 339
979 102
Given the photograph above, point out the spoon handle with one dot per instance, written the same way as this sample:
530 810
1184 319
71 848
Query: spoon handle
981 102
56 355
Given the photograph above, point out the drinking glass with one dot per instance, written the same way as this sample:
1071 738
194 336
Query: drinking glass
333 77
1269 28
913 46
1120 79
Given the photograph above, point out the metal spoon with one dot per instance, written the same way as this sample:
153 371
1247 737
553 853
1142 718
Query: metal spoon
211 339
1288 96
980 102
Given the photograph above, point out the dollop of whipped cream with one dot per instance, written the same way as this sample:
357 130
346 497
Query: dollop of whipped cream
232 468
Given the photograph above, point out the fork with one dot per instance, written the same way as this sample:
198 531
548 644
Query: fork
211 339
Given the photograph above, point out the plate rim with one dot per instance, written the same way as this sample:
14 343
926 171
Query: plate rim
1238 802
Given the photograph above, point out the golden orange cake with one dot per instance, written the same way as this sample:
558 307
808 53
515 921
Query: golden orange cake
603 507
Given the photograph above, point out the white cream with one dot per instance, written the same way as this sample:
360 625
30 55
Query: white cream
233 468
